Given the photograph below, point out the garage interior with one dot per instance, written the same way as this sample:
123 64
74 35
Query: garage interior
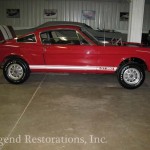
87 111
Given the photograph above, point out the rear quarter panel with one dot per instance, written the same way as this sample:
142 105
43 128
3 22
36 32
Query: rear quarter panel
31 53
8 49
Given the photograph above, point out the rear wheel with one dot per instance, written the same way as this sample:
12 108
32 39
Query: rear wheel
131 75
16 71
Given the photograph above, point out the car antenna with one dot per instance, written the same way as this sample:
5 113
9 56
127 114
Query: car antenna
104 33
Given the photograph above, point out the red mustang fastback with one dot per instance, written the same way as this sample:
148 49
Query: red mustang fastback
73 49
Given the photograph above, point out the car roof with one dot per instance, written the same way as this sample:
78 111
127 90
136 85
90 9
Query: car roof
59 26
56 23
49 24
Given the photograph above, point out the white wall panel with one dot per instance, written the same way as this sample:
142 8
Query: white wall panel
107 12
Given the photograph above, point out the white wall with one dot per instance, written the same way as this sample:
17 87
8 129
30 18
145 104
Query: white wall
107 12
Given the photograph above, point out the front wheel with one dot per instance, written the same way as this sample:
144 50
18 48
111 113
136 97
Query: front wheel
16 71
131 75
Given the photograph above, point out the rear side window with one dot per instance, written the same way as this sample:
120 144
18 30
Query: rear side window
29 39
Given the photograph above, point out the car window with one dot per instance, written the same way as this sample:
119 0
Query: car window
30 38
60 37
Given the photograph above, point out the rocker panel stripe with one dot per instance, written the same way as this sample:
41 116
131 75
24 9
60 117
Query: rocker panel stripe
61 67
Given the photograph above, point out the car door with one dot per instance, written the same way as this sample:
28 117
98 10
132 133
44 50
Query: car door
63 50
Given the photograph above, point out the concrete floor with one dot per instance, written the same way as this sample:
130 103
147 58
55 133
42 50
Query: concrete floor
74 107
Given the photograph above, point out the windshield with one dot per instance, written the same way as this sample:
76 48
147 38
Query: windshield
87 31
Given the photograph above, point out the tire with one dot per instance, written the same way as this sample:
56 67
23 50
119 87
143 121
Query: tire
131 75
16 71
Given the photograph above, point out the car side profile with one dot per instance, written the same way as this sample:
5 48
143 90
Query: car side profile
73 49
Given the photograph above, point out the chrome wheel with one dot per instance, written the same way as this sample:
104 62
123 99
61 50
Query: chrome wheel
132 76
15 71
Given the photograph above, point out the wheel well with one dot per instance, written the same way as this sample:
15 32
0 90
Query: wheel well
13 57
134 60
